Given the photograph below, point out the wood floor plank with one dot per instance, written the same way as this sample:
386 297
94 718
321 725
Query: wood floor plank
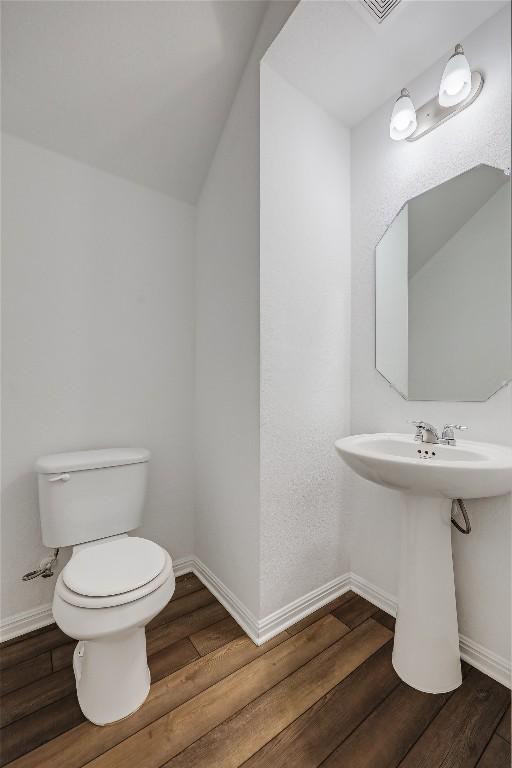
386 736
181 606
496 754
355 611
186 625
185 585
231 743
385 618
27 648
170 659
171 734
28 734
329 608
211 638
315 734
36 695
82 744
458 735
27 672
504 727
62 656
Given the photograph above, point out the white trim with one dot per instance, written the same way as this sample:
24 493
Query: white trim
242 615
183 565
274 623
298 609
380 598
486 661
24 622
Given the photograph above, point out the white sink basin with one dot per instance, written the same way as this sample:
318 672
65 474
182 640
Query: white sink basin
467 470
426 646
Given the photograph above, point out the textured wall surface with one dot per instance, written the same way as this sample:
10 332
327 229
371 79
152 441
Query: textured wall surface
384 175
227 341
305 342
97 339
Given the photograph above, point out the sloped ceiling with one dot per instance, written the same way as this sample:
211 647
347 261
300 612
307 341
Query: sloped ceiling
139 89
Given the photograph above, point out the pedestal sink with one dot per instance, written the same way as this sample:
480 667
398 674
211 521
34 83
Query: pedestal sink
429 475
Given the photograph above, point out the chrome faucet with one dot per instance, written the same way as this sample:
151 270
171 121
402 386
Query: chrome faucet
427 433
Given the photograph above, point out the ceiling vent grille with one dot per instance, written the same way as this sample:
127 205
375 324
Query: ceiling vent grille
380 9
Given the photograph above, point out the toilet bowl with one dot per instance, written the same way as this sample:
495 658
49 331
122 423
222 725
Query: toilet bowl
105 596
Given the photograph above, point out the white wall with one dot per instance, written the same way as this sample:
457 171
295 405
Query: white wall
459 302
97 343
305 342
227 341
384 175
392 303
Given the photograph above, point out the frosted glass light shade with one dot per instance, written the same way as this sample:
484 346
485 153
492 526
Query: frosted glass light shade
403 118
456 80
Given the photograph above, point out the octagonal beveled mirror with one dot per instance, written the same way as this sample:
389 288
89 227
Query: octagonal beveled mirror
444 291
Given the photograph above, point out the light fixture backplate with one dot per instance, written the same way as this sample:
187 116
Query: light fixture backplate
432 114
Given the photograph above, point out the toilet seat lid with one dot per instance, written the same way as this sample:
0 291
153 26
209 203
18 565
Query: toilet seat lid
114 568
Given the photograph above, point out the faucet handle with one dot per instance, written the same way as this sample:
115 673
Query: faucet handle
448 436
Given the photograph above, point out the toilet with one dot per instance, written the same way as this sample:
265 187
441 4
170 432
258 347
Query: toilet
113 584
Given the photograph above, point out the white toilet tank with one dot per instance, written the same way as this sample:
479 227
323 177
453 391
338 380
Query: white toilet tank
89 495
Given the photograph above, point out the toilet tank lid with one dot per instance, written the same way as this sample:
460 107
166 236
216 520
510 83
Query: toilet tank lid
97 459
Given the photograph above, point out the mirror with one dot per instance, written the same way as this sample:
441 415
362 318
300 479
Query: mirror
443 291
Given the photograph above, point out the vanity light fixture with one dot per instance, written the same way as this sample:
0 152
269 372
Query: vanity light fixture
458 89
456 80
403 118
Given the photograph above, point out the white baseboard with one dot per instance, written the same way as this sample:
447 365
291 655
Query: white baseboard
298 609
183 565
264 629
27 621
373 594
242 615
486 661
274 623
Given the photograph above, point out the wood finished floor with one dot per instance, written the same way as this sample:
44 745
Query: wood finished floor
322 693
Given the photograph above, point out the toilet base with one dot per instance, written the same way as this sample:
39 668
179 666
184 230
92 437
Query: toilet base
112 675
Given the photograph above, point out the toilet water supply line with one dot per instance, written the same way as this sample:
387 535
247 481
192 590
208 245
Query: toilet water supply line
45 567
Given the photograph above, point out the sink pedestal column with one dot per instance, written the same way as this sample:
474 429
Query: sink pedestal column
426 649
